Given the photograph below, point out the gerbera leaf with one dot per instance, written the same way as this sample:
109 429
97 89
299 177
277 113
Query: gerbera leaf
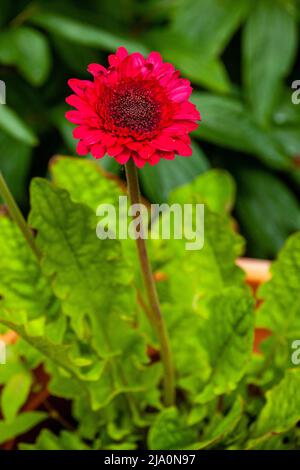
94 284
23 288
28 49
82 33
262 46
157 181
21 424
281 411
227 122
11 123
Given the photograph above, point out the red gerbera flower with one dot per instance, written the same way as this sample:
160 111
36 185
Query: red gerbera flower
136 108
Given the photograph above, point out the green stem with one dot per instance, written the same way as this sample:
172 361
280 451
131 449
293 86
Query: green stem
155 317
17 216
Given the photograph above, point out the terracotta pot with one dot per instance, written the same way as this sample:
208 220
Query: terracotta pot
9 338
257 272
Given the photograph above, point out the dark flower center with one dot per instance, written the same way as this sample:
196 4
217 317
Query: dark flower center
134 108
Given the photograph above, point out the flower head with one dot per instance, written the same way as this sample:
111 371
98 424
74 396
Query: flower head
136 108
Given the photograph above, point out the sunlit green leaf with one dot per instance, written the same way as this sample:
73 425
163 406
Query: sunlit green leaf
21 424
220 427
94 284
170 432
14 395
85 181
227 336
280 310
49 441
216 188
23 289
282 410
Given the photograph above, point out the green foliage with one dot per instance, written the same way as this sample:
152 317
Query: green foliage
28 50
279 312
84 182
14 395
170 431
48 441
262 46
159 180
25 291
21 424
17 166
241 58
221 426
227 336
15 127
80 33
214 188
281 411
227 122
261 193
79 310
77 317
214 29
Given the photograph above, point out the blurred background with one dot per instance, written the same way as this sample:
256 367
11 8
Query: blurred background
241 56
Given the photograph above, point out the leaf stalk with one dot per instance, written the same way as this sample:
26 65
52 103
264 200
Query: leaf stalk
17 216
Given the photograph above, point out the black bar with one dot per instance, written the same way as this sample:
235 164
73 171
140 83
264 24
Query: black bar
152 459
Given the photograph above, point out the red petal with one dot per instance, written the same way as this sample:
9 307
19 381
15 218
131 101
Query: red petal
74 116
183 149
115 150
138 161
167 155
146 151
123 157
96 69
108 140
90 136
98 151
81 148
122 52
155 60
74 100
115 59
79 86
175 129
137 60
154 159
181 94
164 142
